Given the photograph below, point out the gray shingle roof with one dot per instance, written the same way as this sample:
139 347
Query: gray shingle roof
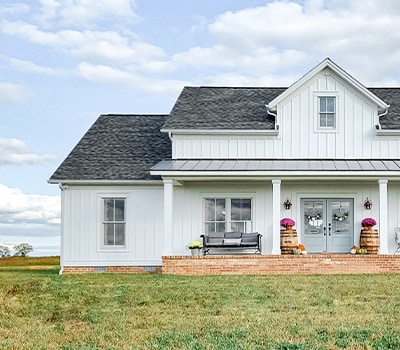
117 147
223 108
392 97
125 147
244 108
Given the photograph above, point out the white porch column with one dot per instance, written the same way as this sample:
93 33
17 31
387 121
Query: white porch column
383 217
168 216
276 213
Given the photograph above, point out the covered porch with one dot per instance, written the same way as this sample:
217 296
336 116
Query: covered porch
271 182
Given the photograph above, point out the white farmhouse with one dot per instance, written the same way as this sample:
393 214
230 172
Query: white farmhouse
139 187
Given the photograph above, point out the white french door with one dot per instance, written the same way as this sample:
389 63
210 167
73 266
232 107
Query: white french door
327 224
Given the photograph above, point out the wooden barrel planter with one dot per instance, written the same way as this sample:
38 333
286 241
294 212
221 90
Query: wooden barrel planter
289 241
369 240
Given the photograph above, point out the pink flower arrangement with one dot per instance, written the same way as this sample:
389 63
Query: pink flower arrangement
285 222
368 222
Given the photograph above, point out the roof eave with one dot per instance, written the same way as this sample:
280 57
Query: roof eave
103 182
262 132
257 175
388 132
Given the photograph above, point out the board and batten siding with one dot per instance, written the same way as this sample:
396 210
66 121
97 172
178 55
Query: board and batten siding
299 136
82 232
189 207
82 226
355 190
189 210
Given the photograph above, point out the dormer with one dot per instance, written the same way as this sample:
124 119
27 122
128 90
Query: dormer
327 85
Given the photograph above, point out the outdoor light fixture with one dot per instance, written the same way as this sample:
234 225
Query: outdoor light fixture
287 204
368 204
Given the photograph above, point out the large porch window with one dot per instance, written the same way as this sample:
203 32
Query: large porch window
228 214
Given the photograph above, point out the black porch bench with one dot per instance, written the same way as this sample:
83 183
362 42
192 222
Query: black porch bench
228 242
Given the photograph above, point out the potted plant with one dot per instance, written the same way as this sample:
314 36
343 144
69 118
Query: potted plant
287 223
195 247
368 223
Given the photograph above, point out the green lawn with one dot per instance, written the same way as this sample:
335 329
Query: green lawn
42 310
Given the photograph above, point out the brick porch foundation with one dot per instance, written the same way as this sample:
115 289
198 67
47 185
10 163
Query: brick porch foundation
68 270
280 264
257 265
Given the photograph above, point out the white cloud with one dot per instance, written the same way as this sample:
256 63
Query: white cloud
82 12
12 9
48 11
13 93
281 39
30 218
102 74
97 46
15 151
29 66
113 47
19 208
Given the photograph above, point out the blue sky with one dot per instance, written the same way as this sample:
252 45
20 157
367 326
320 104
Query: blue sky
65 62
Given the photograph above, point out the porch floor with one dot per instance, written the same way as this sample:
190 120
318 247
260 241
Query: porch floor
280 264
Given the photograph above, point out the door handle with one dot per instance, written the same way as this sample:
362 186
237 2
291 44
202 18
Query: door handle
324 230
329 229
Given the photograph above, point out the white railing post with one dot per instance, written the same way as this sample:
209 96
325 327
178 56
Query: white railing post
383 217
276 212
168 216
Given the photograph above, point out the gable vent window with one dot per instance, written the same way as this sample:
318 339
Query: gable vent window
114 222
327 112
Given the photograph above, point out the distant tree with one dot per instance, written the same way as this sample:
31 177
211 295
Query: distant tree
4 251
23 249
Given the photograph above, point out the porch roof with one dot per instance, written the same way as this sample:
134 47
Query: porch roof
277 166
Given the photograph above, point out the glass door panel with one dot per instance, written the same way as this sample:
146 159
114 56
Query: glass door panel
314 225
340 230
328 225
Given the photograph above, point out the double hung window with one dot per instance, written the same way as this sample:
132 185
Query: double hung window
228 214
327 112
114 225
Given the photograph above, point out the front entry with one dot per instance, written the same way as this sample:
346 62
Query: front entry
327 225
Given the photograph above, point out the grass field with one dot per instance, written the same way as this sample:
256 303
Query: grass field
42 310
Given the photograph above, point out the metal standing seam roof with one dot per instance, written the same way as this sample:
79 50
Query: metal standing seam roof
278 165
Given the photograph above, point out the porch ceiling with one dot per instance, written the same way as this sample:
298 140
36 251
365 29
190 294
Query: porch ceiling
371 168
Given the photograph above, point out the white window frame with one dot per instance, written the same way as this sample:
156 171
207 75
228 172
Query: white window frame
101 220
317 112
228 210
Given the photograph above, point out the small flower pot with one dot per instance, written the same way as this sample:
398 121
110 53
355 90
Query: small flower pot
195 251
